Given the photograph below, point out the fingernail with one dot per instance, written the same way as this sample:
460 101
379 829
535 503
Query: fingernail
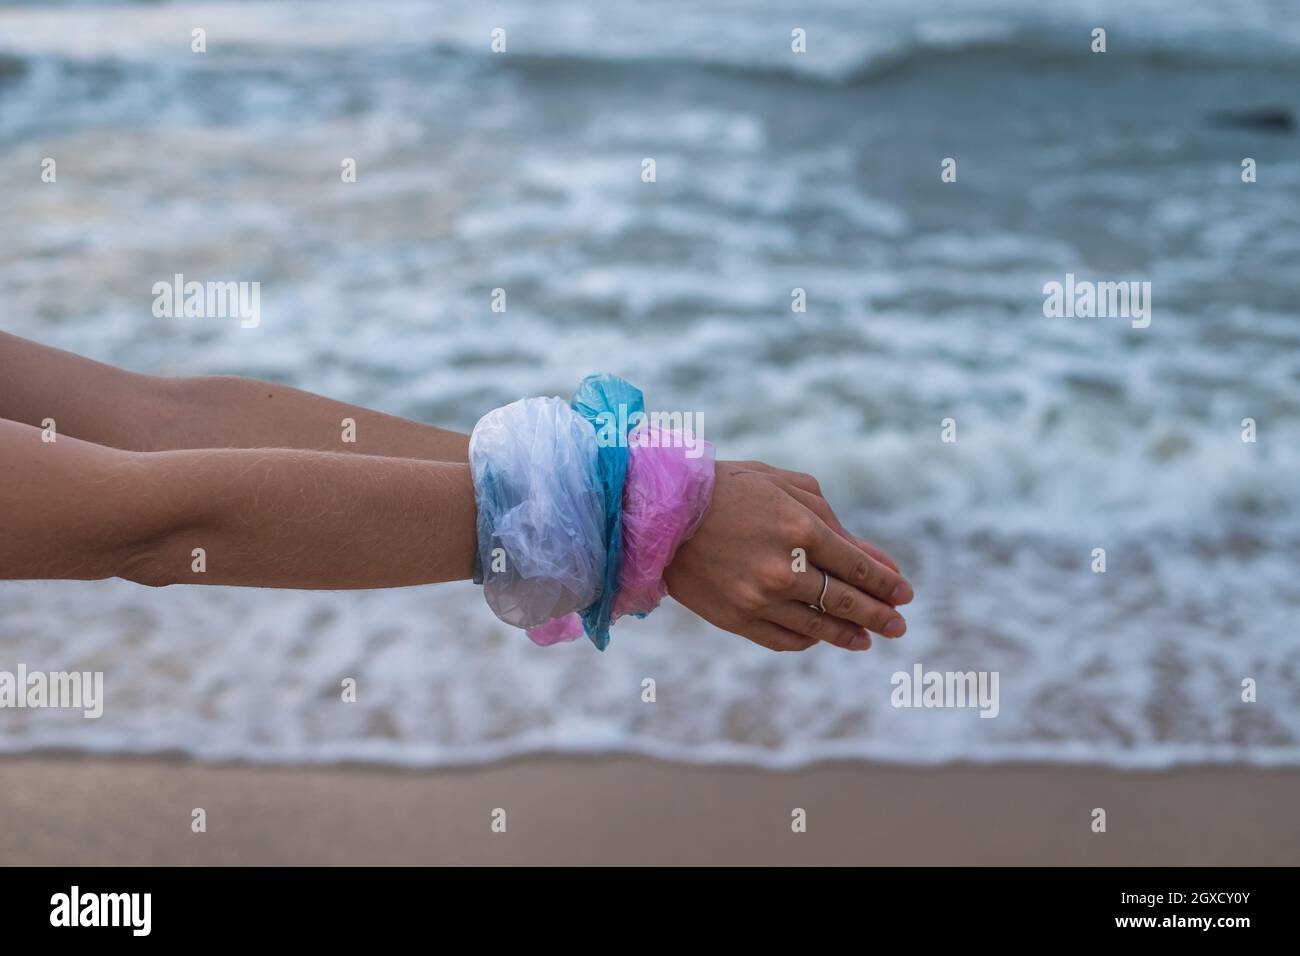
894 627
902 593
860 643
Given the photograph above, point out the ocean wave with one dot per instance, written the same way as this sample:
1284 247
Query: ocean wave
404 755
1138 667
847 43
924 302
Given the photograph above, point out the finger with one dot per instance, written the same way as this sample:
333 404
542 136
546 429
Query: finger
875 552
797 479
810 622
853 566
850 604
775 637
822 509
817 505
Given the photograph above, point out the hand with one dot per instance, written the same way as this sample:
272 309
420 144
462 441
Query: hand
737 571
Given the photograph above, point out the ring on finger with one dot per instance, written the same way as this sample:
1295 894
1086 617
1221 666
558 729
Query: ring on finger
821 601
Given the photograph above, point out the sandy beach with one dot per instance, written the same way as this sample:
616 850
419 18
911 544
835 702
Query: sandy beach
620 811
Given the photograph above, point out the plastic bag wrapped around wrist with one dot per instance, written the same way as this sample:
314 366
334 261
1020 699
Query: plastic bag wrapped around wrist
534 468
612 407
669 487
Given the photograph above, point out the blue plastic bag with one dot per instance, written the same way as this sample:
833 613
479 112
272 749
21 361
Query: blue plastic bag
613 407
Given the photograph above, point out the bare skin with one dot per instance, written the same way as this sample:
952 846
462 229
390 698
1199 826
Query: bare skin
271 517
114 407
146 469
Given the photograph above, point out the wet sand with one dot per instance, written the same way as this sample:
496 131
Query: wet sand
560 810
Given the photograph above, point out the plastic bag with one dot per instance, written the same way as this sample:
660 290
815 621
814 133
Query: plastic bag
534 466
612 407
665 499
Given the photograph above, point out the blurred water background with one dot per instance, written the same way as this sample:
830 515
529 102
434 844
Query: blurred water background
820 171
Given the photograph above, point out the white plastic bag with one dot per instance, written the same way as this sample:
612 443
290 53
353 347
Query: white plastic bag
540 515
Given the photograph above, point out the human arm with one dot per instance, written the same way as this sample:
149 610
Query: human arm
111 406
263 518
736 572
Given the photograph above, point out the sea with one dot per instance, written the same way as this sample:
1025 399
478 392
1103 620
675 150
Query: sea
805 271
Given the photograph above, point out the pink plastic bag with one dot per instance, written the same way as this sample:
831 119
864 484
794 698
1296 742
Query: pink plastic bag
664 501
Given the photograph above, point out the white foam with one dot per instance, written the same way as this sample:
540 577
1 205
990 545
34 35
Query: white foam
1073 434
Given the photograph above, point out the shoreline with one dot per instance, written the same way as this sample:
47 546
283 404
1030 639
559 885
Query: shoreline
77 810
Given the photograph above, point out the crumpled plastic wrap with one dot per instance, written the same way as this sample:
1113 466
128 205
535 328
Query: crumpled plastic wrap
612 407
567 628
665 498
664 501
534 466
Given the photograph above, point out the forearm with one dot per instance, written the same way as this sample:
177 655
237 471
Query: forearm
262 518
110 406
303 519
229 412
79 397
